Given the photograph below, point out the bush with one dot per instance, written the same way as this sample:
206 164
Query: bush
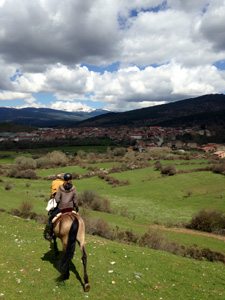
158 166
91 200
43 162
57 158
219 168
25 209
8 186
98 227
27 174
209 221
87 197
119 151
24 163
169 170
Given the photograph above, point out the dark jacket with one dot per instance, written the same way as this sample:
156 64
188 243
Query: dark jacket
66 198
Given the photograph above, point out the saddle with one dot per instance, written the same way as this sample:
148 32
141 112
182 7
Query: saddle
64 211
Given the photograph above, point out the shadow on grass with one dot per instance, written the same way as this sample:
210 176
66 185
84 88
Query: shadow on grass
51 257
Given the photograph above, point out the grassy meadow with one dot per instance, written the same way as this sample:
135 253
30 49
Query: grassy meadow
149 203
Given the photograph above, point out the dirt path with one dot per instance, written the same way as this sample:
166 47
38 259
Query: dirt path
186 231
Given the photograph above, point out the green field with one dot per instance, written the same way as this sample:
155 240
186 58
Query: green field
116 271
28 266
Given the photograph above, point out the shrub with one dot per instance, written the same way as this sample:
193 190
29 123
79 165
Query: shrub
76 175
159 152
8 186
98 227
119 151
42 162
219 168
152 240
87 197
209 221
27 174
169 170
25 209
91 200
25 163
158 166
57 158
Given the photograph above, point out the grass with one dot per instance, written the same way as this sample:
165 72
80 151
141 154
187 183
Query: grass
7 157
28 270
28 266
54 171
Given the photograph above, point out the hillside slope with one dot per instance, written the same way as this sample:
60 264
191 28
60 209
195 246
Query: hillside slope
208 110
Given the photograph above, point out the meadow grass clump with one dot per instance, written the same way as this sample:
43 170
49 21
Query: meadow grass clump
219 168
92 200
98 227
57 158
25 209
208 220
169 170
27 174
8 186
158 165
24 163
42 162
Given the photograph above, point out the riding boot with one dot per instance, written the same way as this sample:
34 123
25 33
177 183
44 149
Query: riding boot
49 233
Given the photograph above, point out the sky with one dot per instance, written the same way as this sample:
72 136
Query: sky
116 55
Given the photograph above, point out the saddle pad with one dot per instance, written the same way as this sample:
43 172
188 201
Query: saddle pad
58 216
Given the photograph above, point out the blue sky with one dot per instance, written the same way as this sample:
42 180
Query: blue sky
110 54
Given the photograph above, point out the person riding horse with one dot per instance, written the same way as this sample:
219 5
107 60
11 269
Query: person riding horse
65 197
56 184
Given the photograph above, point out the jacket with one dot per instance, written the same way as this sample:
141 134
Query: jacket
55 185
66 198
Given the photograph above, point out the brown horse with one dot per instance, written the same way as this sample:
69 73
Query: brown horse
70 228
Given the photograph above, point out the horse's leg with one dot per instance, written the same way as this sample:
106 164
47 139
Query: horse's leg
66 275
55 246
84 260
81 242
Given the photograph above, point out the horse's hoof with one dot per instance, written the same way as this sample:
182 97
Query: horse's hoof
87 287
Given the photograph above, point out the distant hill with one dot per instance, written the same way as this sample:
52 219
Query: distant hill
11 127
208 111
44 117
205 111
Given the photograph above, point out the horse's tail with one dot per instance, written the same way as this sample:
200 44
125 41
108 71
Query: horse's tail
70 249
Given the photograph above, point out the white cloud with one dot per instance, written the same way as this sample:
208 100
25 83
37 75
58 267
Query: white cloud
5 96
44 43
68 106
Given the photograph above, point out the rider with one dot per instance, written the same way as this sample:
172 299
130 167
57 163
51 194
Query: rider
65 197
55 185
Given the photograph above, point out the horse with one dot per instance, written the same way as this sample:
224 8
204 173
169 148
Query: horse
70 227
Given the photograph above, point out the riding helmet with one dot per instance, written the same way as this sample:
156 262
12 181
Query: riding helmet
67 177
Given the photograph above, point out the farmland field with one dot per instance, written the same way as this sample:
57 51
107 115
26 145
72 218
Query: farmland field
146 204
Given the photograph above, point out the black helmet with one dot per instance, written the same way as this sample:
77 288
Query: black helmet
67 177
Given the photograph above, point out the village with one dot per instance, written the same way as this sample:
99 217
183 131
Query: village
142 138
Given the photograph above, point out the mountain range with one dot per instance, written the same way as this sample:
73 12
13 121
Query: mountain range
205 111
45 117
